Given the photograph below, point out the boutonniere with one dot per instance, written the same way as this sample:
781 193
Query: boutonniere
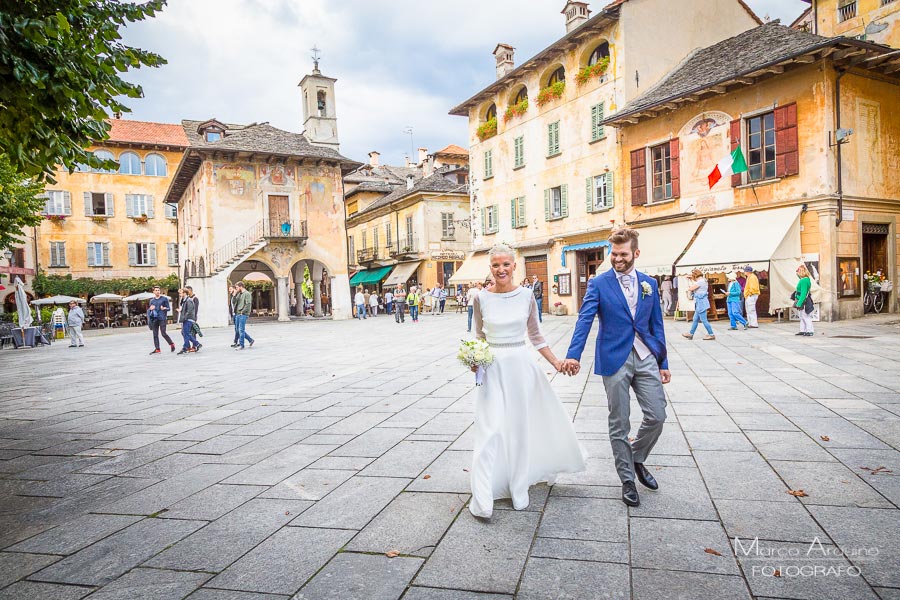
646 290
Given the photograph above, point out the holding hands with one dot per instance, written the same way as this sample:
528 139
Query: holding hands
569 367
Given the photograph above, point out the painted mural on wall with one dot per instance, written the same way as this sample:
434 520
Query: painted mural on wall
276 175
704 141
236 181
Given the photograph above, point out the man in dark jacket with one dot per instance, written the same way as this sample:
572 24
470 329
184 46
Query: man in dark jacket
242 313
232 303
537 288
187 316
157 313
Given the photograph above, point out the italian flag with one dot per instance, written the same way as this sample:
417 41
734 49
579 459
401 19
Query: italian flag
734 163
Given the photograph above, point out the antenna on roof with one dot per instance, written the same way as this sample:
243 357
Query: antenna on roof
409 132
315 56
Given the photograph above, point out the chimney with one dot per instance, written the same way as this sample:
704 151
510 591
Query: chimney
410 181
428 166
373 158
504 54
576 14
423 155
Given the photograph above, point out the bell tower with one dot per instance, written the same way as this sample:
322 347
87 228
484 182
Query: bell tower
319 117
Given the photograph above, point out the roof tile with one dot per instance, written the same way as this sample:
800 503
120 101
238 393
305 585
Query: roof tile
146 132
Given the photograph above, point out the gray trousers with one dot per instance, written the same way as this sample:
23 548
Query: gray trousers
643 377
76 336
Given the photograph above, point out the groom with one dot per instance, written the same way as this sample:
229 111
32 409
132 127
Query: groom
630 353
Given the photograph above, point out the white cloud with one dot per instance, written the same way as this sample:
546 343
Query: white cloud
398 64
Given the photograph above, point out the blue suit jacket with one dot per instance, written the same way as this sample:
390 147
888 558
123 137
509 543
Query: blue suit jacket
615 339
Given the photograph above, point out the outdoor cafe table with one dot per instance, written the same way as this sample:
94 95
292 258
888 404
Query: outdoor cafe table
32 337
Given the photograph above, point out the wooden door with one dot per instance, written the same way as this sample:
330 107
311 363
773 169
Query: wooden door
537 265
279 213
874 251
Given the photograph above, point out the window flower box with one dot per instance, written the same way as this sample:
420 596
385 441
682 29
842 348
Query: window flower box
99 219
58 219
516 110
551 92
596 70
140 219
487 130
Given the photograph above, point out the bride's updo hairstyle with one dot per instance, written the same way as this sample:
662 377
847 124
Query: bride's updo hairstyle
500 249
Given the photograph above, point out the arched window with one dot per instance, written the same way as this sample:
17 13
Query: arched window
104 155
491 112
557 76
601 51
155 165
522 94
129 164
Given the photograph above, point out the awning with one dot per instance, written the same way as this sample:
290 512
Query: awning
402 273
369 276
475 268
584 246
660 246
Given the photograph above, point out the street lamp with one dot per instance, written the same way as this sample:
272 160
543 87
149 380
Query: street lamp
9 256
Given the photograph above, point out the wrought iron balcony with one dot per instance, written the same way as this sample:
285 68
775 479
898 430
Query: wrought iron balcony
274 229
846 11
366 255
405 246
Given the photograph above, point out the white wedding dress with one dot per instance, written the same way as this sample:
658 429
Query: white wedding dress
523 434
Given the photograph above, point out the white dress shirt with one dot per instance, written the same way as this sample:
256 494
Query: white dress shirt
629 284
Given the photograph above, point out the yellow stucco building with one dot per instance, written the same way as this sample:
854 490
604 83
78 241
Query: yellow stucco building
815 120
115 224
544 167
408 225
870 20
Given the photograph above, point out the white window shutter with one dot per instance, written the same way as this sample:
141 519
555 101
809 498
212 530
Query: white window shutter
67 203
105 250
110 204
484 227
91 262
151 250
170 254
564 200
129 205
88 205
132 254
547 204
610 197
62 253
149 200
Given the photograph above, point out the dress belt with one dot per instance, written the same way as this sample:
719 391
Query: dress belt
507 344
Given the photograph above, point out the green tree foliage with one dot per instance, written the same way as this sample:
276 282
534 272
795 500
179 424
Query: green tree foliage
53 285
19 203
60 66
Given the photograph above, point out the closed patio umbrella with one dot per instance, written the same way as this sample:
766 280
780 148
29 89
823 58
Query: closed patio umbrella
25 318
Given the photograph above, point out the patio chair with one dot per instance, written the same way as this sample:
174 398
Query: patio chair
6 336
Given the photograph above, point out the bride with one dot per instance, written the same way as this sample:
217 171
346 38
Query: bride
523 434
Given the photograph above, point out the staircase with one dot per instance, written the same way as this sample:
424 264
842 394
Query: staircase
238 249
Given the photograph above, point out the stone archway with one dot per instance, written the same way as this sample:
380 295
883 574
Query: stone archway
320 280
252 272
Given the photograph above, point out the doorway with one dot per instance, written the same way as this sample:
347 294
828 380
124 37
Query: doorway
537 265
875 247
589 262
279 213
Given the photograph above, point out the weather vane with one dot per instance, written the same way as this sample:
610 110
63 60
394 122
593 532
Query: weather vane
315 56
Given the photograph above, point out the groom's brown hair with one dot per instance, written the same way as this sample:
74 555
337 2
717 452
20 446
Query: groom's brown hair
623 236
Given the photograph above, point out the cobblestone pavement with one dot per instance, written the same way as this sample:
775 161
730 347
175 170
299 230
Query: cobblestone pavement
297 468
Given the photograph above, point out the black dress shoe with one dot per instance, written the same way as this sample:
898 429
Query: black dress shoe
645 477
630 494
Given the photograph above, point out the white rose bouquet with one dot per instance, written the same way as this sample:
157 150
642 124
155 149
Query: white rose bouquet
475 353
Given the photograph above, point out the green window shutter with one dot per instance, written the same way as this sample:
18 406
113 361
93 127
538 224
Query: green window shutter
521 203
88 206
512 212
547 204
589 194
132 254
610 189
105 249
90 255
597 130
110 204
519 144
151 250
550 139
564 200
484 227
67 203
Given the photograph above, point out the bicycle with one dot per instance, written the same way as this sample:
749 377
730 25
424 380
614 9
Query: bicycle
873 301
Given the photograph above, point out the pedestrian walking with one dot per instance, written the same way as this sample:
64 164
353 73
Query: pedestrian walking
751 295
435 299
232 304
360 301
443 297
803 302
470 303
537 288
389 302
699 289
75 321
733 303
187 315
668 296
157 313
242 314
399 304
366 296
373 303
412 300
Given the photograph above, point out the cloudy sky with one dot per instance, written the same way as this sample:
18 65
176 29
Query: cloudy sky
399 64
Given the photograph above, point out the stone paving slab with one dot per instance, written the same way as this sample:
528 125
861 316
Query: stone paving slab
250 476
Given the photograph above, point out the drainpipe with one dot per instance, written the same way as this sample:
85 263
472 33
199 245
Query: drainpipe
837 124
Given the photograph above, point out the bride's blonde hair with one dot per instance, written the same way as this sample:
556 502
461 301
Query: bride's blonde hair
500 249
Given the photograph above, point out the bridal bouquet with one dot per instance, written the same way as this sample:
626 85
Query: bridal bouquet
475 353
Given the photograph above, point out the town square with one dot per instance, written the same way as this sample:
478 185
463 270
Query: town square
307 300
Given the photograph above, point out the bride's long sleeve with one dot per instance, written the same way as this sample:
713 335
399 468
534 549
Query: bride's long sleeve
476 318
534 328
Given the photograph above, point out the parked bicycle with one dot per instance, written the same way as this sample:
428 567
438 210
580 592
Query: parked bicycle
875 295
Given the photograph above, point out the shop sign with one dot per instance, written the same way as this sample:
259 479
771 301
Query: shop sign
448 255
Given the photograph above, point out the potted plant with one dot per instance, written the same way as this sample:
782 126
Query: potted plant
516 110
140 219
487 130
551 92
559 309
56 218
595 70
99 218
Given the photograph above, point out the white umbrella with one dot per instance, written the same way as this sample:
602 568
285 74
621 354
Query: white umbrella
106 300
25 318
57 300
140 296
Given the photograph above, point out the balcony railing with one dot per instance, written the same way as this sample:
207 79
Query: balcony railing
366 255
846 12
234 251
285 230
886 2
405 246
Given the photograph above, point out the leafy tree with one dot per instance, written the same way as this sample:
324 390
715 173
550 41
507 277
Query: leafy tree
53 285
19 203
60 62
